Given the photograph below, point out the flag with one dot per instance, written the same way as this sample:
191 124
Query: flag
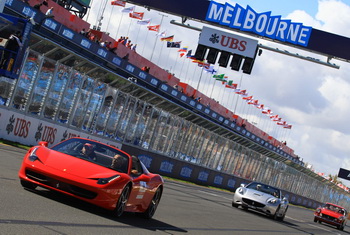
144 22
287 126
254 102
260 106
281 122
231 85
118 3
247 98
182 54
267 111
202 64
173 44
168 39
184 49
154 28
162 34
128 9
136 15
210 69
241 92
219 76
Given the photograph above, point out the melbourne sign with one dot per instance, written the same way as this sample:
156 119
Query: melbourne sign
263 24
228 42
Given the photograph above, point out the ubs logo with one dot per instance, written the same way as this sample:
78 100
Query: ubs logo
19 127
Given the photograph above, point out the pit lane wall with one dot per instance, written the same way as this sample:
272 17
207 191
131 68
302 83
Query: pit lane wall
25 129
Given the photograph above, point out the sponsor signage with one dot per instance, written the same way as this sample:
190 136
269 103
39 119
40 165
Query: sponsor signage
343 173
229 42
263 24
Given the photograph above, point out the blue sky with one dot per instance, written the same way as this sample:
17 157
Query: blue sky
315 99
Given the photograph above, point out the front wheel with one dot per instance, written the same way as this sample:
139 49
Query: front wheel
28 185
234 205
315 220
148 214
123 199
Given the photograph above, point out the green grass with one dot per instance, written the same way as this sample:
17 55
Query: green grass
14 144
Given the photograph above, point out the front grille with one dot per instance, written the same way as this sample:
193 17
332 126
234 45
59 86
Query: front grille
253 203
81 192
331 218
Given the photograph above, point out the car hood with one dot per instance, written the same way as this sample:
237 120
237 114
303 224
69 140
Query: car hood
257 195
73 165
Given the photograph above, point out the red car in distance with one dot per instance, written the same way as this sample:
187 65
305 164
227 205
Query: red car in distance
331 214
94 172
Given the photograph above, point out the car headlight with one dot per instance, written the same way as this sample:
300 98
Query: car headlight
107 180
240 191
272 200
33 157
341 218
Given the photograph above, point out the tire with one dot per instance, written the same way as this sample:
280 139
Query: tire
148 214
245 208
284 214
315 220
28 185
121 204
234 205
275 216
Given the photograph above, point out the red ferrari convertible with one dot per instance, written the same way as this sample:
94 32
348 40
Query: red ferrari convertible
94 172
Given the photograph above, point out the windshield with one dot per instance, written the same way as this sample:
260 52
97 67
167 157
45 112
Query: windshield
334 208
98 153
265 189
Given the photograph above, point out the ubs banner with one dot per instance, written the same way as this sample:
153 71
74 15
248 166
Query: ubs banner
29 130
224 41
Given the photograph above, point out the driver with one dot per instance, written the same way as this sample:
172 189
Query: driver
88 152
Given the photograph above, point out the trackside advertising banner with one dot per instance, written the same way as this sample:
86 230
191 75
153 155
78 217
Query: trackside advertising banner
29 130
224 41
247 20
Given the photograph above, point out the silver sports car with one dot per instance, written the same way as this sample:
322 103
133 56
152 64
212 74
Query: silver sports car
263 198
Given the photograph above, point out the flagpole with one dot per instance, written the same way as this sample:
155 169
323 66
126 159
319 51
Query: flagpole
160 53
138 32
121 18
200 78
155 43
143 48
211 94
182 66
240 82
110 16
127 34
186 75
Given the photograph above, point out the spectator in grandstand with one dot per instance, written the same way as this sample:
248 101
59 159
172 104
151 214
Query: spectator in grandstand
198 99
134 47
12 45
49 13
83 32
146 69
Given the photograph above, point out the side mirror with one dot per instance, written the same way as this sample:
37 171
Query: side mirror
142 177
243 185
43 143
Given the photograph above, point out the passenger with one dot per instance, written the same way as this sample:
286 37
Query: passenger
119 163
